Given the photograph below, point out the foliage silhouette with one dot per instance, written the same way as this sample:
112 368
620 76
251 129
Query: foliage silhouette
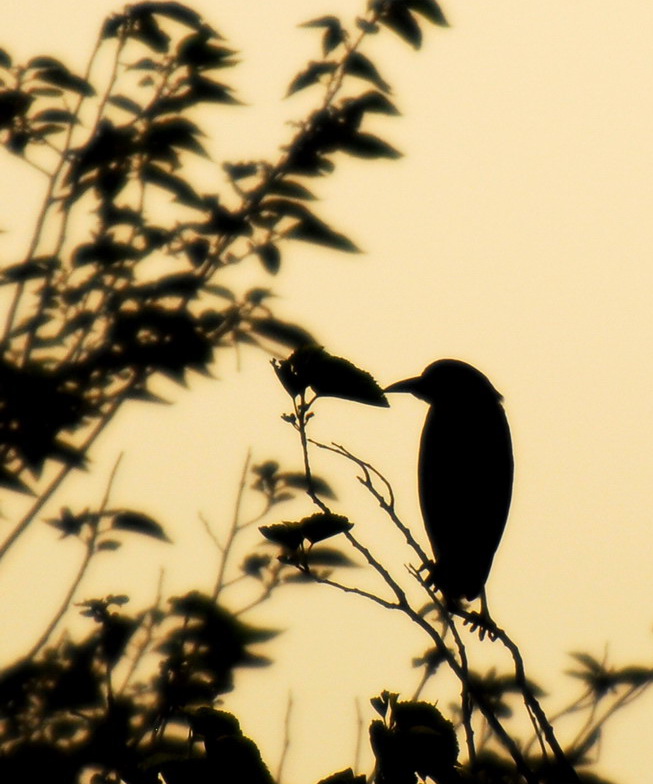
106 297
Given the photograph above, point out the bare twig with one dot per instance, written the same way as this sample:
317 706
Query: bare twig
90 552
286 739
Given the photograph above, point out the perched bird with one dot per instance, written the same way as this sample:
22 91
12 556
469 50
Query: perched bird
465 473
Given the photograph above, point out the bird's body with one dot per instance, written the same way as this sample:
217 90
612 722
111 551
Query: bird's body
465 473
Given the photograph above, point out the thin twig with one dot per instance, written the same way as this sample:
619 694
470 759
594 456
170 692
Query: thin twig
286 739
359 736
90 552
534 706
233 530
388 505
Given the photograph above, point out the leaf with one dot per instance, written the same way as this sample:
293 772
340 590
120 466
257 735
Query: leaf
182 191
288 535
55 116
334 33
253 565
203 89
145 64
366 145
398 19
291 189
139 523
270 257
196 52
38 267
147 30
238 171
127 104
178 12
430 10
61 77
68 523
372 101
299 481
312 229
310 75
369 28
109 545
5 59
324 525
359 65
331 376
197 251
13 103
172 132
105 250
282 332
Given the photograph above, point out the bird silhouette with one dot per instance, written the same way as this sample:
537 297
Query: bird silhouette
465 474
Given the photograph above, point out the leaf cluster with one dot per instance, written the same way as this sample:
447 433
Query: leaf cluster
70 708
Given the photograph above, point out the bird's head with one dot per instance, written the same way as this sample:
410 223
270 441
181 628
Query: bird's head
448 381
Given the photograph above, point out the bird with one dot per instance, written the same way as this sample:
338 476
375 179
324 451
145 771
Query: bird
465 474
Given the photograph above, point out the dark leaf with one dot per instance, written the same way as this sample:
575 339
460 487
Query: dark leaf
183 192
55 116
44 61
238 171
127 104
197 251
172 132
5 59
208 91
254 565
312 229
197 52
334 33
145 64
365 145
178 12
328 557
105 250
291 189
430 10
257 295
310 75
69 524
147 29
369 28
109 544
324 525
11 481
288 535
61 77
331 376
139 523
299 480
282 332
399 19
37 267
359 65
13 103
270 257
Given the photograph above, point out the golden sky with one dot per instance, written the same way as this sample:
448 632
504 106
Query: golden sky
515 235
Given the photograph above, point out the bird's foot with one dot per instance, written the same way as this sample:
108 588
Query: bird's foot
482 622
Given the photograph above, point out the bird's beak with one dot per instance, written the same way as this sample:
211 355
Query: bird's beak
407 385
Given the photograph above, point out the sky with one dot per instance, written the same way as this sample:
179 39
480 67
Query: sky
515 234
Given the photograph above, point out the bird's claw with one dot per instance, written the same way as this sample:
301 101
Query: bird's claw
482 622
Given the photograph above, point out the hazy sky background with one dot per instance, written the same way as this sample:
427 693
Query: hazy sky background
515 235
